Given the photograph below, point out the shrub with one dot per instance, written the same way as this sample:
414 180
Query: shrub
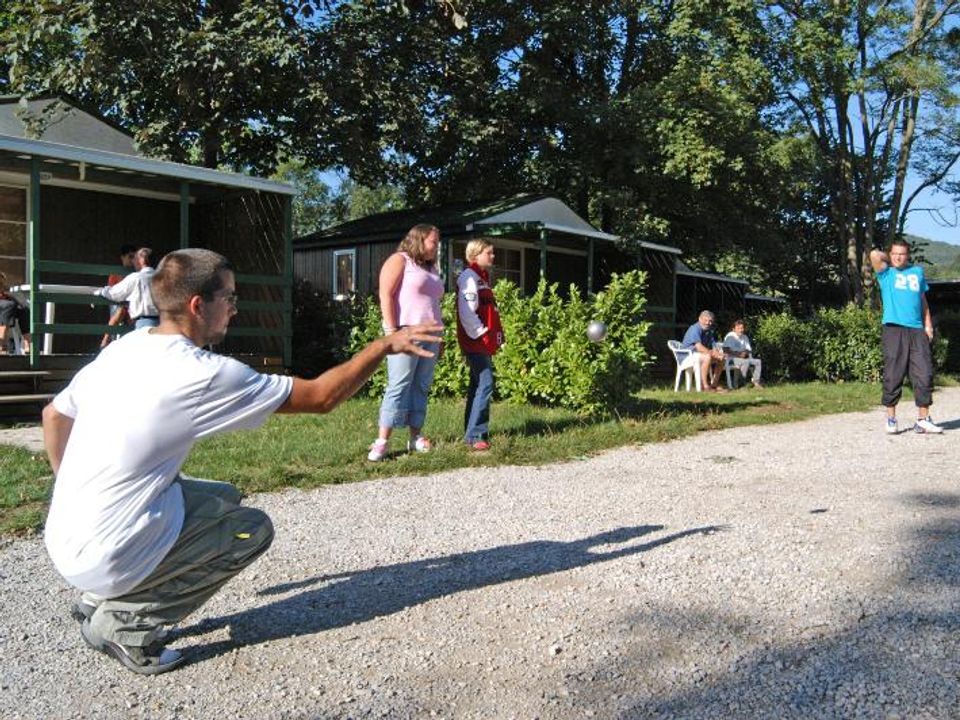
846 344
834 345
321 326
547 357
785 345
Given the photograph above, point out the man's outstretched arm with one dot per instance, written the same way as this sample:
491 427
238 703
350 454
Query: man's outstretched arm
323 394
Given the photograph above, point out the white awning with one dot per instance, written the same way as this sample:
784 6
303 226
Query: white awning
548 213
119 161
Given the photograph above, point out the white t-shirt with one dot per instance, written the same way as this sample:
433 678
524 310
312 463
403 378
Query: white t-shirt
135 289
138 409
737 344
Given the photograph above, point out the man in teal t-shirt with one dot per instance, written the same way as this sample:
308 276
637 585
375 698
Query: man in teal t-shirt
907 334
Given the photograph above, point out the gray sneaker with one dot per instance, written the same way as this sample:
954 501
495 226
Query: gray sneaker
82 611
150 659
926 425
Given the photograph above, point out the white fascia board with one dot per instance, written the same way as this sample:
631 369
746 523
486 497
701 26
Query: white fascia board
118 161
581 232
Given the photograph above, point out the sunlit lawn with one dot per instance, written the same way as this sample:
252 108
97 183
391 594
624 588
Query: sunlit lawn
308 451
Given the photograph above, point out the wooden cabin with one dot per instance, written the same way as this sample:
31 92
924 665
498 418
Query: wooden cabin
535 236
73 190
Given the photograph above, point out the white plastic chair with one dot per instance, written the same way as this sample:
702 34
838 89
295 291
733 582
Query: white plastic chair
733 373
730 368
688 363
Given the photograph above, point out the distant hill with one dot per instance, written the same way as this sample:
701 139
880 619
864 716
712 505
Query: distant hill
941 260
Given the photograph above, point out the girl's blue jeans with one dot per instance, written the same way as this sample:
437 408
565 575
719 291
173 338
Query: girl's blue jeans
476 415
408 385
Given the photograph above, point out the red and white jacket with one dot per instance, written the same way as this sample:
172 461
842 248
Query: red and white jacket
478 322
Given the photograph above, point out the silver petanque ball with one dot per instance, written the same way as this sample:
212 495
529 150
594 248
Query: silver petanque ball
596 331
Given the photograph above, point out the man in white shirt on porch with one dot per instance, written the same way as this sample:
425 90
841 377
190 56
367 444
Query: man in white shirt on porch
134 289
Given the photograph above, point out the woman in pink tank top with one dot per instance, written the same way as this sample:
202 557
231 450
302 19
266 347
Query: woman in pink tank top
410 292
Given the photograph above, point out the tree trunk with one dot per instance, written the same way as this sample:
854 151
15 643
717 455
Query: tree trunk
910 109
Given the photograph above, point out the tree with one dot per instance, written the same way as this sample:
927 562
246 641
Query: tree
212 82
859 77
645 116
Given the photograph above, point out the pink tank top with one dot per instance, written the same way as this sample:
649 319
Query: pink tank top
418 299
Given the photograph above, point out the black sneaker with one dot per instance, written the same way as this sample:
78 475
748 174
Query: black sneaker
150 659
82 611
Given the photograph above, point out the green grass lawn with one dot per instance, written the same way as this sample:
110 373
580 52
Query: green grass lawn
308 451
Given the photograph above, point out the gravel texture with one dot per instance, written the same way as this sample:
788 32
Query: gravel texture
805 570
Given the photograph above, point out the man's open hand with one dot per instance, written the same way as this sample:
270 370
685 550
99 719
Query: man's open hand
409 339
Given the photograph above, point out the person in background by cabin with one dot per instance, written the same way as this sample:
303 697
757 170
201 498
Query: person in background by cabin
13 313
118 313
737 346
410 291
135 289
701 338
480 335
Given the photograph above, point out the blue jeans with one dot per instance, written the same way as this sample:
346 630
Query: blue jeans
408 384
476 415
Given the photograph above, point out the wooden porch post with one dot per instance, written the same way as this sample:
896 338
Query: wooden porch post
543 252
288 281
184 214
590 249
33 255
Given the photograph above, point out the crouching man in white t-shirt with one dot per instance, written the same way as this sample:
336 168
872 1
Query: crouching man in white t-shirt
144 544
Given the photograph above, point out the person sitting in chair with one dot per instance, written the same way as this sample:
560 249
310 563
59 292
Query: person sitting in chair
737 347
701 338
12 314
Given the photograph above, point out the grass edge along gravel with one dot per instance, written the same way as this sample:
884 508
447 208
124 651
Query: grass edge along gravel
308 451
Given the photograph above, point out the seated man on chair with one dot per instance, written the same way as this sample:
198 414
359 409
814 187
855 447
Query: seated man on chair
12 314
701 338
737 346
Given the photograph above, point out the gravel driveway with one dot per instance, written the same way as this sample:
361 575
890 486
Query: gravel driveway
800 570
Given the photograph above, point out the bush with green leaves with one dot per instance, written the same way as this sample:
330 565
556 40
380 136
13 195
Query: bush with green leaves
547 357
846 344
833 345
783 342
320 325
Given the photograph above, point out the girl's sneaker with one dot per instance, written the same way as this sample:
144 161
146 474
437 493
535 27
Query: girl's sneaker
378 451
892 428
419 444
479 445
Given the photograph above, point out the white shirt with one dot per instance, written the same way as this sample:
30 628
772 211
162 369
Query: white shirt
737 343
138 409
135 289
468 300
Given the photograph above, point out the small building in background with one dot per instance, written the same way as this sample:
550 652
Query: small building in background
73 189
535 236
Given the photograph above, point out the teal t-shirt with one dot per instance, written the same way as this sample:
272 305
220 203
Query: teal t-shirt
902 292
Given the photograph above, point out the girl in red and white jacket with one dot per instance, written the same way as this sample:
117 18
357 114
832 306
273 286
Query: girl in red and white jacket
480 335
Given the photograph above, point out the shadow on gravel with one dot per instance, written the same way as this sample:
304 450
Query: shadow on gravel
950 424
348 598
897 656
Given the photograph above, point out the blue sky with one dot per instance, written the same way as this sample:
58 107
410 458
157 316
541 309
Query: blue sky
926 225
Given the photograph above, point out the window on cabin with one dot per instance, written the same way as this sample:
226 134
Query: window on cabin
508 263
13 234
344 273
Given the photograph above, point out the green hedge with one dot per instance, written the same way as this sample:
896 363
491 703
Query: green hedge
834 345
547 357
